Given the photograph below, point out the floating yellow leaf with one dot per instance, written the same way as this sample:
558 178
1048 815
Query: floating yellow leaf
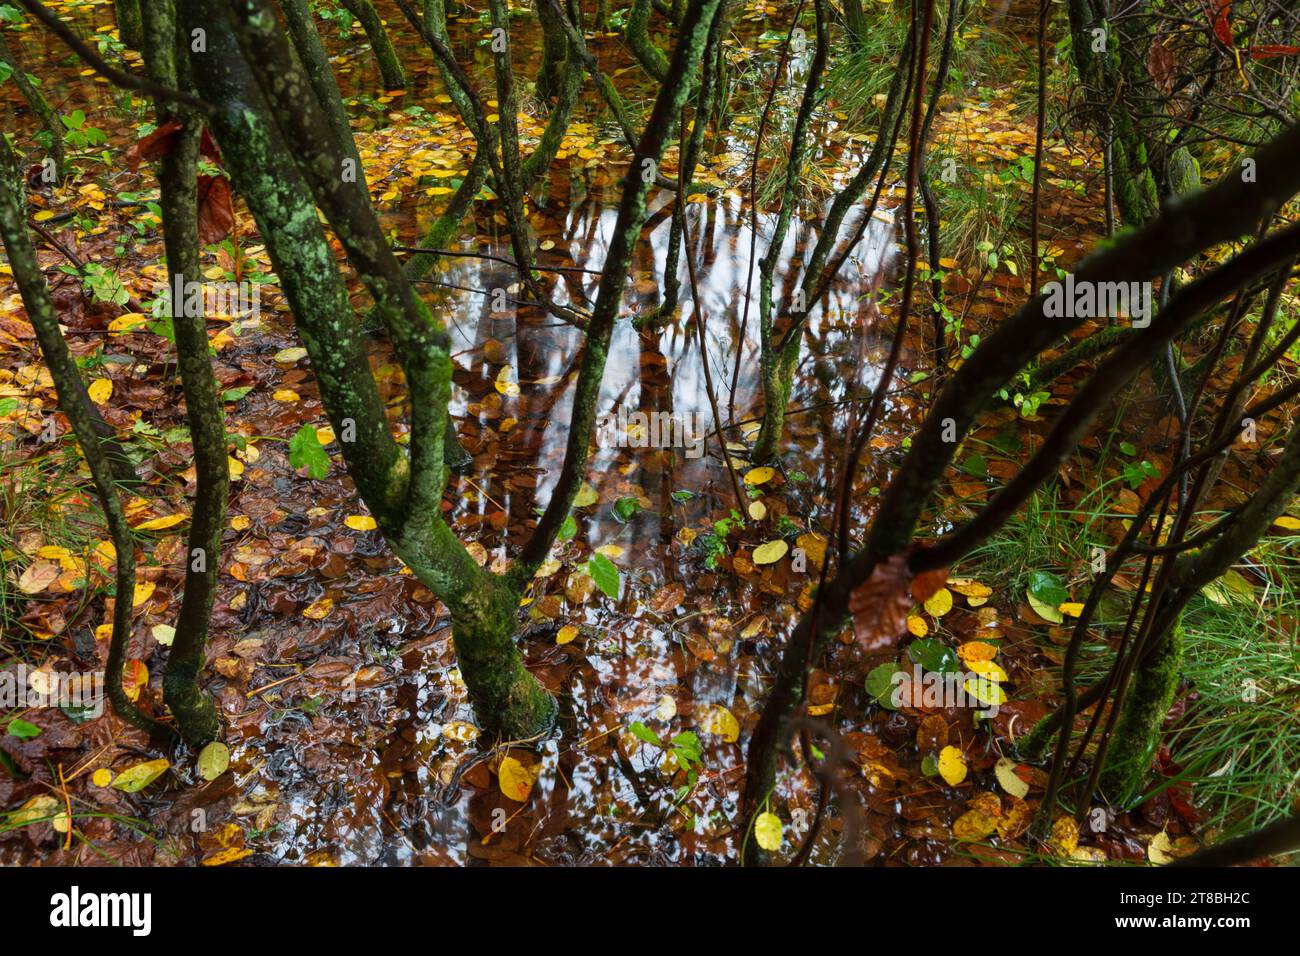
758 476
770 552
916 625
158 524
566 634
1071 608
974 825
102 777
939 603
1287 522
99 390
718 720
291 355
143 591
757 510
228 855
952 765
285 395
319 608
767 831
1005 771
586 496
136 778
1064 837
977 651
515 780
360 522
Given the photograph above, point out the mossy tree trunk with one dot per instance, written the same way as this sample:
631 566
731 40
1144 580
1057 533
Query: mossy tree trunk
261 100
390 67
196 717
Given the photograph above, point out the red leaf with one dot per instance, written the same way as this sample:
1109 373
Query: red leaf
208 147
154 146
1270 51
1222 26
216 211
879 605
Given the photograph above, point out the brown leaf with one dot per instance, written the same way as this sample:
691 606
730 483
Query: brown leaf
154 146
1161 64
216 211
879 605
667 598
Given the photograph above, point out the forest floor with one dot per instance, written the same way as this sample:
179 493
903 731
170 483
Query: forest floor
351 737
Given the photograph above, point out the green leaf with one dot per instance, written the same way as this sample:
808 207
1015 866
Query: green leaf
605 573
22 729
642 732
1047 588
568 529
880 683
213 760
134 779
305 451
933 655
625 508
235 394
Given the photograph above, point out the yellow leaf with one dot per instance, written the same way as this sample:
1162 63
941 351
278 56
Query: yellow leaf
916 625
758 476
136 778
976 651
102 777
566 634
290 355
228 855
325 435
718 720
158 524
360 522
974 825
986 690
99 390
1005 771
610 551
241 522
586 496
1287 522
757 510
515 780
1071 608
285 395
770 552
952 765
319 608
143 591
235 467
1064 837
767 831
939 603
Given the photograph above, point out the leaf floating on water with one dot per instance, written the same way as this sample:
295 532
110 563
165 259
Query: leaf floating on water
99 390
939 603
952 765
668 598
770 552
318 609
566 634
767 831
760 475
516 780
360 522
1005 771
135 778
214 759
722 722
586 496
